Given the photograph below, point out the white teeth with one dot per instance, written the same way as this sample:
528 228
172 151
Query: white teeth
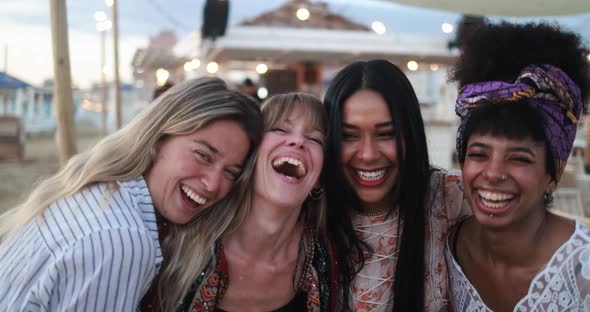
196 198
371 175
493 199
495 196
492 205
301 170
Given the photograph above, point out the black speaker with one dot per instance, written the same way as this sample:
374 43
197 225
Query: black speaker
214 18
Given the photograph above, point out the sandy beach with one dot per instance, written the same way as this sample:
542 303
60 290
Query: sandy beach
41 160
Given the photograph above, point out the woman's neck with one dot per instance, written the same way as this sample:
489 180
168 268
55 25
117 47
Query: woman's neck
268 230
383 205
514 246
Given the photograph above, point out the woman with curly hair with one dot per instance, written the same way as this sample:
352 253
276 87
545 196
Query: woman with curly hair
522 93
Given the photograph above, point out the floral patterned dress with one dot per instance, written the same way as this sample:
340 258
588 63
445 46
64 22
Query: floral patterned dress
372 288
561 285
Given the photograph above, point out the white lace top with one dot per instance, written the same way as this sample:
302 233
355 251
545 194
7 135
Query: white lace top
562 285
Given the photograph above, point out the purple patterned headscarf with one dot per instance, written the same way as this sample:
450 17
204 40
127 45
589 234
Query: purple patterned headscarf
546 88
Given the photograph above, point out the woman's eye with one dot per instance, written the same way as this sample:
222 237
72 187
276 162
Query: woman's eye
348 136
476 155
202 156
523 160
387 134
232 175
317 140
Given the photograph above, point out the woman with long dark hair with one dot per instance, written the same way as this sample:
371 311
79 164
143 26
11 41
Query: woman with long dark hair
389 210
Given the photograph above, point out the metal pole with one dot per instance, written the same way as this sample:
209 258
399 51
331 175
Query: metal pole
586 153
6 59
62 101
117 82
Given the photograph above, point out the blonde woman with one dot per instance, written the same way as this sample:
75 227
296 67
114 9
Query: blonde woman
87 238
278 259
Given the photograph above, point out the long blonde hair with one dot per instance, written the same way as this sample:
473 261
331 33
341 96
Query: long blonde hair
130 152
189 248
190 256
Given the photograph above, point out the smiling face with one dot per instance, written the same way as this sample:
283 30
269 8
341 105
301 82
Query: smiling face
505 179
192 172
290 159
369 153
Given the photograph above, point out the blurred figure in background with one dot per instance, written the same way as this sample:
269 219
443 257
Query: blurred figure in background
161 89
248 87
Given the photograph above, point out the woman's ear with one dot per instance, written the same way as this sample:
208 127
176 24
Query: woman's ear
551 186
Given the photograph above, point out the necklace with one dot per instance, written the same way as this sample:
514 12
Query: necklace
371 214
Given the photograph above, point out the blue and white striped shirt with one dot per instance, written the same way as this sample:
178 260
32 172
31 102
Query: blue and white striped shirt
97 250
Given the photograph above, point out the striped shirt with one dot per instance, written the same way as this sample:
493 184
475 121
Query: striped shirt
97 250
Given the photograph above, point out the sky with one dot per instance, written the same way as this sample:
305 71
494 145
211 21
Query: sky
25 30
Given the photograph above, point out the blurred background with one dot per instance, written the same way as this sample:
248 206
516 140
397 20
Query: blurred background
260 47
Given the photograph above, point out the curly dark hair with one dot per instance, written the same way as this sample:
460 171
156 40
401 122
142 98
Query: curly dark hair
501 51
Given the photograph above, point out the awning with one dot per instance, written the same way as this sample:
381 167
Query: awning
285 45
507 8
9 82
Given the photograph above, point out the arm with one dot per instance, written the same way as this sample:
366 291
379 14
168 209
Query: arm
104 271
455 203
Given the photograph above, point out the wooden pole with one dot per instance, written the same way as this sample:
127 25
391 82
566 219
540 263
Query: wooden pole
62 100
103 84
117 82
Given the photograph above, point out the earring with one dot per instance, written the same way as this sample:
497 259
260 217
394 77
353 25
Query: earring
316 193
548 197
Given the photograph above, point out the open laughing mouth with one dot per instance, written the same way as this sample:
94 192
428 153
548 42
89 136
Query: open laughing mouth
191 197
290 167
370 177
494 200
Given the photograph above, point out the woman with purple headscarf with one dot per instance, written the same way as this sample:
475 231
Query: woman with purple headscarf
522 94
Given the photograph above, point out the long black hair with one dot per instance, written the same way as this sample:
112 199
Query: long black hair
414 171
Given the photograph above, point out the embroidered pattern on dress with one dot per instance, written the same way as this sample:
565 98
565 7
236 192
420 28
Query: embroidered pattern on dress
562 285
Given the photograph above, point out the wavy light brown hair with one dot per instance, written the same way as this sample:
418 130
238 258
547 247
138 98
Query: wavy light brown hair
130 152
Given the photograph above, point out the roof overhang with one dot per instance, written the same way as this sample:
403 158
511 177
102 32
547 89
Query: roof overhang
285 45
508 8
